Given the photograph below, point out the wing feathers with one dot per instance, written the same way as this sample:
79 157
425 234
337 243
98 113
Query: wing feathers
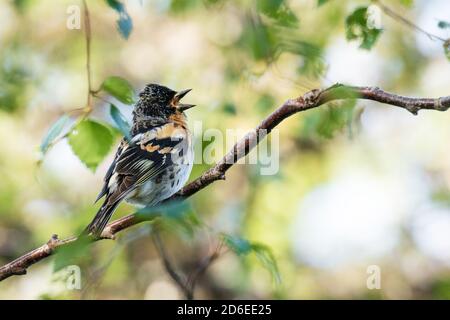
145 157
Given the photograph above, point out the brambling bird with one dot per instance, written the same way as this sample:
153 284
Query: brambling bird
156 161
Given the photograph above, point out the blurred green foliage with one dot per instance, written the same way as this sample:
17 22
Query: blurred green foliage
329 120
358 28
441 289
243 247
124 23
14 78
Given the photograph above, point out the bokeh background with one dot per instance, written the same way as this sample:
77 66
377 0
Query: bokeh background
357 186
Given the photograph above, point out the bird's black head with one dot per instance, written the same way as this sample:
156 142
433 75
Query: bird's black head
160 102
156 94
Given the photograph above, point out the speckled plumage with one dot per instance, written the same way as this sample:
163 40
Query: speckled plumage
157 160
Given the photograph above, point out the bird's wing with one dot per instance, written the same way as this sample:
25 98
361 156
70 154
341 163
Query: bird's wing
143 158
110 171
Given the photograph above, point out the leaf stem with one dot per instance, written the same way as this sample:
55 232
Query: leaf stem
396 16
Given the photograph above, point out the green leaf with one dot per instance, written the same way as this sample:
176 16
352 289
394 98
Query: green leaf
91 142
211 3
177 216
267 260
447 49
172 209
258 40
444 25
327 121
313 64
243 247
179 6
357 28
184 224
407 3
120 121
229 108
441 196
21 5
335 119
119 88
321 2
124 23
279 11
238 245
440 289
269 6
54 131
71 254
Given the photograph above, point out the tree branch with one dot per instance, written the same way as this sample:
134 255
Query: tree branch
309 100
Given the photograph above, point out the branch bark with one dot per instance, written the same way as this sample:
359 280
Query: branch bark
309 100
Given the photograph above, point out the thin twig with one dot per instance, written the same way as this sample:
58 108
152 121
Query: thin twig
204 265
90 92
179 281
87 34
396 16
96 95
309 100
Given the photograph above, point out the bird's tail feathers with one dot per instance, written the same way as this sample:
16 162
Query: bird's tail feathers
101 219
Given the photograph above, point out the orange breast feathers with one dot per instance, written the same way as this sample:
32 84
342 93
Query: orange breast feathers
171 130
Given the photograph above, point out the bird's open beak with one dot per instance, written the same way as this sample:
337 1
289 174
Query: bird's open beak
182 106
180 94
